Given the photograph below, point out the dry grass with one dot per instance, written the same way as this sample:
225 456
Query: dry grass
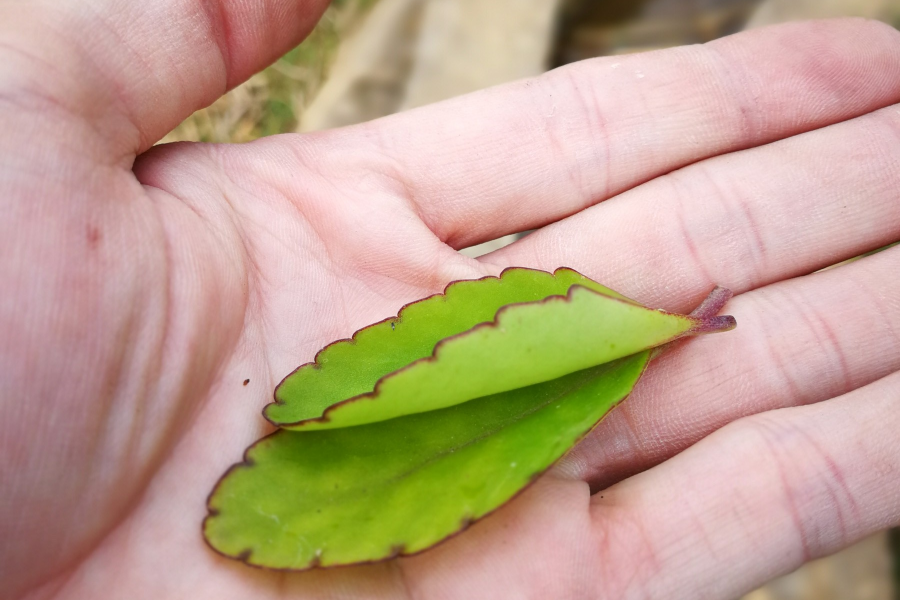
271 101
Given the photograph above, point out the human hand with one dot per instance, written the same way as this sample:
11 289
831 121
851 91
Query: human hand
140 293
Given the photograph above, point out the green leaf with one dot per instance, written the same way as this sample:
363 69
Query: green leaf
478 338
424 423
359 494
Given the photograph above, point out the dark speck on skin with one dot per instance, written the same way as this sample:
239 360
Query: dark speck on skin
246 381
93 236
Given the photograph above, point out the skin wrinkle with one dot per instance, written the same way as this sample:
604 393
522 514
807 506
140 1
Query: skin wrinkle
450 231
100 439
821 65
238 218
322 238
252 272
403 191
739 92
773 436
892 120
635 447
137 414
85 274
337 265
815 323
178 68
255 315
121 93
700 527
885 156
752 239
218 26
97 113
38 102
705 279
641 107
835 474
91 544
647 562
592 114
777 363
31 57
877 298
749 525
400 573
178 425
167 296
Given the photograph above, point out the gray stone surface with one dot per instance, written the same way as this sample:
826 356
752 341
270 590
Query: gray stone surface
413 52
861 572
467 45
778 11
369 76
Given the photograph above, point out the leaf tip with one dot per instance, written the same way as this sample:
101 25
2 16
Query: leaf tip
714 324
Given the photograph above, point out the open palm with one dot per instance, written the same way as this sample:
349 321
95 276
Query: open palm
143 286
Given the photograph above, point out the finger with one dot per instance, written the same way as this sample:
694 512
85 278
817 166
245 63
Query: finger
755 500
799 342
523 155
134 70
741 221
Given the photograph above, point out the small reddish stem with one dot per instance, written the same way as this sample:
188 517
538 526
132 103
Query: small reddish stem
706 313
707 318
713 303
713 325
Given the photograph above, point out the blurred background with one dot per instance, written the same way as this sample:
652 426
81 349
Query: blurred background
370 58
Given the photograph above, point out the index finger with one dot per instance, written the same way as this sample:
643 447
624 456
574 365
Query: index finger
522 155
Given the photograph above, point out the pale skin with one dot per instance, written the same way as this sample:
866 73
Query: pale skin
141 286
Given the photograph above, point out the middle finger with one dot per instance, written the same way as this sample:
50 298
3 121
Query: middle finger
741 220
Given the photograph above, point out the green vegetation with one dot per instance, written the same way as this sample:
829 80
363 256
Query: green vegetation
426 422
270 102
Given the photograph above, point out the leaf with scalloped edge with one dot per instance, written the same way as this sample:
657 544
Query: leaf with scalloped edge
399 484
304 499
528 325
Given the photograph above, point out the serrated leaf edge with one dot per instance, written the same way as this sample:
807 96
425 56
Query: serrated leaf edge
399 549
373 395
